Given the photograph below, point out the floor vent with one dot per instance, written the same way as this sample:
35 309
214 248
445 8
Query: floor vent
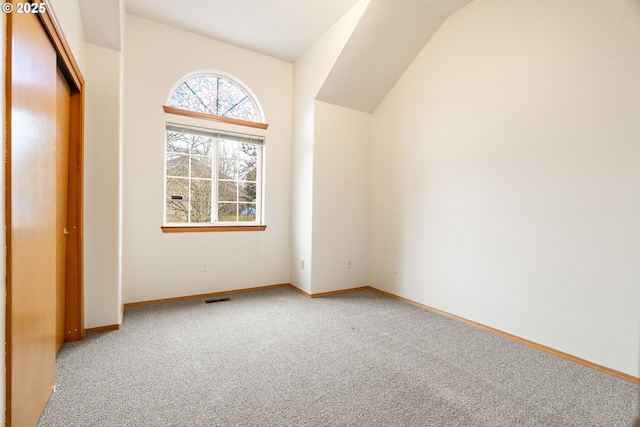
212 300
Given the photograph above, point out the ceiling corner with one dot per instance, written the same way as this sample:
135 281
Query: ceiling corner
388 38
101 22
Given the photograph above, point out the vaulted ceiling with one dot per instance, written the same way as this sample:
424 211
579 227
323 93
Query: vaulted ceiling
283 29
387 39
385 42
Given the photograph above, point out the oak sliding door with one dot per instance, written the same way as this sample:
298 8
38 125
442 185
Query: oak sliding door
43 210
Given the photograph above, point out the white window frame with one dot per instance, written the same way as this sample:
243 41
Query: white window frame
225 125
217 134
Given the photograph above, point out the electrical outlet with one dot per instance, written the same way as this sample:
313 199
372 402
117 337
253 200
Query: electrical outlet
395 267
302 264
349 263
204 266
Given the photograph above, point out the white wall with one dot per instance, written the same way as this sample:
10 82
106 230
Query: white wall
123 17
505 170
340 198
310 72
103 305
68 14
157 265
101 71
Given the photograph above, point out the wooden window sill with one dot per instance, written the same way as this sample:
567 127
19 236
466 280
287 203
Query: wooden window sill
186 113
210 228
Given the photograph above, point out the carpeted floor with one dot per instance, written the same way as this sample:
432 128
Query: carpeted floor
276 358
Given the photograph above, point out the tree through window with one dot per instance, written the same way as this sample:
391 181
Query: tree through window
213 176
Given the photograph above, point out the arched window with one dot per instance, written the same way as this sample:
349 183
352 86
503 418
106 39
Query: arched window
213 177
215 95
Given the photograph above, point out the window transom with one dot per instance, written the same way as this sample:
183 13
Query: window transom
211 94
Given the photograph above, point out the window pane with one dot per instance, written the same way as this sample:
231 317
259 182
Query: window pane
227 149
200 200
227 191
204 89
177 211
177 200
227 169
180 98
227 211
229 96
201 145
247 212
247 192
177 188
200 167
245 110
178 142
188 96
247 162
177 164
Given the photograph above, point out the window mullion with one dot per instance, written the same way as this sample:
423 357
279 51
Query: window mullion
214 181
218 96
238 185
259 183
189 187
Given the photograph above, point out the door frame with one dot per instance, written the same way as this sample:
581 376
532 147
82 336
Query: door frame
75 219
74 299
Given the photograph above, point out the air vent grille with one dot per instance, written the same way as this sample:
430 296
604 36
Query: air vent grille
212 300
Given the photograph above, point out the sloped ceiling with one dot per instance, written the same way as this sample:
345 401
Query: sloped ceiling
387 39
101 22
385 42
282 29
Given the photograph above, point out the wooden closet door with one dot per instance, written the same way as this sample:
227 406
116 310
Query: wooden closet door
31 242
63 103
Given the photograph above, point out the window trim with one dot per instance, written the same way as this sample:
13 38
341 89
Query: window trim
213 117
194 228
256 225
191 119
